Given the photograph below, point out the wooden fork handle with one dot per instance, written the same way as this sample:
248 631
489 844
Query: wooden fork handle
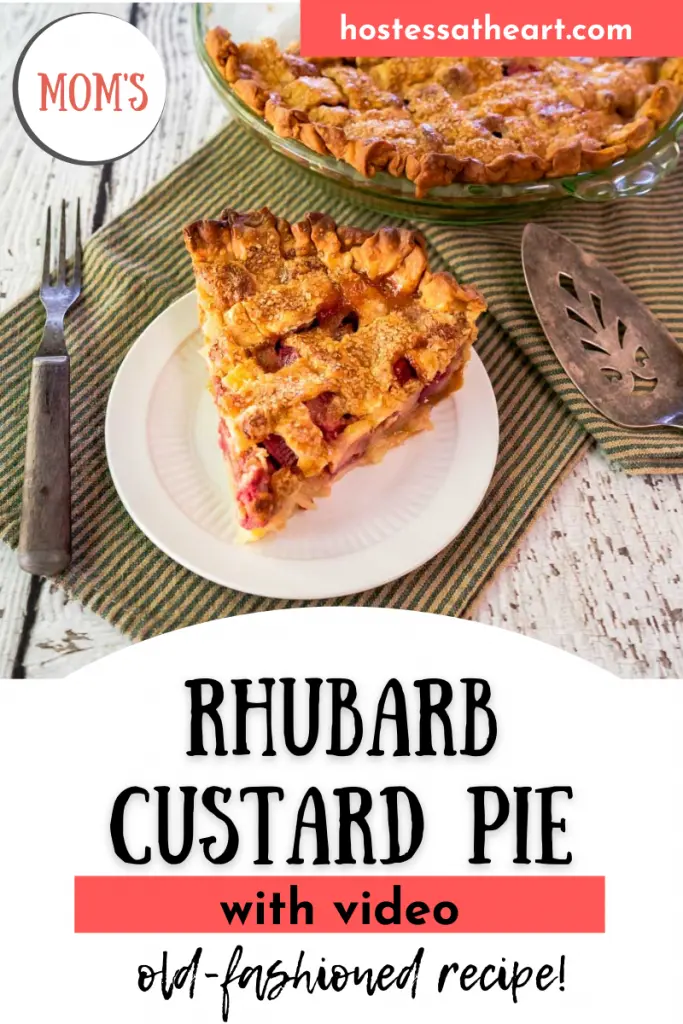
45 531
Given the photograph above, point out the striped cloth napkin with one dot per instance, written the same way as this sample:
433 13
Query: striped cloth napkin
137 265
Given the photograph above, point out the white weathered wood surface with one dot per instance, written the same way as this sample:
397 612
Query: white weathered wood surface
598 574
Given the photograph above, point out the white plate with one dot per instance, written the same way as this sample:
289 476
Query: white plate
379 522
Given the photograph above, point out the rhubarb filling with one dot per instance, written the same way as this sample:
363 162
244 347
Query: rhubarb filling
263 506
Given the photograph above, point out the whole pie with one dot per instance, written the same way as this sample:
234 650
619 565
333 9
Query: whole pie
438 120
326 346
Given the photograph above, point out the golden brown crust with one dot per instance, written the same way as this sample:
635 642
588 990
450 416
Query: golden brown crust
310 320
441 120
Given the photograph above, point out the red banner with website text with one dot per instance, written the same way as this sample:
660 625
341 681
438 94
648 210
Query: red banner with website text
353 28
540 904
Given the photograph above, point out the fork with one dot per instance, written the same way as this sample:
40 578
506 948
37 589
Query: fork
45 530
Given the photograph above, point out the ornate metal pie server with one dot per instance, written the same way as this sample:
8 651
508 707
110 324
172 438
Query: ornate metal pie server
619 356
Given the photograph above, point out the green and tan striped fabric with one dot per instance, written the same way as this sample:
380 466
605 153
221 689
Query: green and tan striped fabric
135 266
641 240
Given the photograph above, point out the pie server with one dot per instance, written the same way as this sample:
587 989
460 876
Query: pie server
619 356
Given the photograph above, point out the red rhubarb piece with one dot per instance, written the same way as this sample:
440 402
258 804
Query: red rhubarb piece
404 371
279 450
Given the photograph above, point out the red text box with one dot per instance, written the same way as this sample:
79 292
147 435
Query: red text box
540 904
354 28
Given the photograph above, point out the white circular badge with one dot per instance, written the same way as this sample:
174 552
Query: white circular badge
89 88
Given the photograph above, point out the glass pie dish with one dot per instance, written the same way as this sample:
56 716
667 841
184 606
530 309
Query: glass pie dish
634 175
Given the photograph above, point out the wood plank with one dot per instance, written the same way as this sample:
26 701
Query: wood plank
30 179
192 113
14 587
599 574
67 636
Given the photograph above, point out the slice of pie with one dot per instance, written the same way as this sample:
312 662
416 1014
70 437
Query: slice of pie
326 346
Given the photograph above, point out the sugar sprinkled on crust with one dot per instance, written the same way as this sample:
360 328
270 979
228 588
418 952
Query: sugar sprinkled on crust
316 335
437 120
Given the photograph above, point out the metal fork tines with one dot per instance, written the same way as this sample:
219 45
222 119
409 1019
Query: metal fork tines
59 295
45 531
